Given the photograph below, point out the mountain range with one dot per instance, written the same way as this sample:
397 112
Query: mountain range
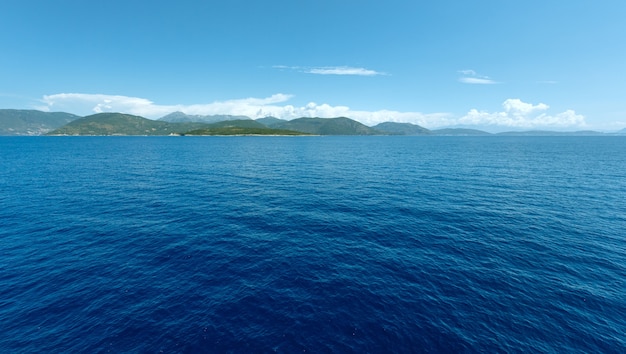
126 124
180 117
122 124
241 127
32 122
402 129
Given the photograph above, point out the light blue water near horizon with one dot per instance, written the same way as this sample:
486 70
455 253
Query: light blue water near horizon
316 244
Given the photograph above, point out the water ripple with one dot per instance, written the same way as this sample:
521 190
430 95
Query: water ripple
331 244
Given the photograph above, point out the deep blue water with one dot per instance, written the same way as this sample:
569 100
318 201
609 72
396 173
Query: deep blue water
312 244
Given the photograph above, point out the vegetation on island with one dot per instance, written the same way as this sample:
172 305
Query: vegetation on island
126 124
123 124
32 122
242 131
270 121
241 127
180 117
327 126
395 128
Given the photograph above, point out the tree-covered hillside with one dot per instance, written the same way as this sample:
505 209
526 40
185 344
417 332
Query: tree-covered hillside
32 122
123 124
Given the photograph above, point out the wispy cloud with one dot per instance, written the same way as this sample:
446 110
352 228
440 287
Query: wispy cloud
476 80
472 77
343 70
515 113
332 70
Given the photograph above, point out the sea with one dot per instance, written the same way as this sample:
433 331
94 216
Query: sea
378 244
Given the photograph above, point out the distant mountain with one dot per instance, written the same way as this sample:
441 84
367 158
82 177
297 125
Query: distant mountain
240 123
551 133
241 127
177 117
180 117
402 128
270 121
327 126
31 122
459 132
123 124
126 124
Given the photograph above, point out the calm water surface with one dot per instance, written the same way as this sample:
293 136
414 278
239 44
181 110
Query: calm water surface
313 244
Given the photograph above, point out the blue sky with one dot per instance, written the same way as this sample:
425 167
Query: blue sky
495 65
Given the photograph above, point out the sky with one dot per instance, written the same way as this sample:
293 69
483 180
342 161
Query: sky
494 65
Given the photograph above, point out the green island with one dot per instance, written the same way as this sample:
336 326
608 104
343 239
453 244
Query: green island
242 131
31 123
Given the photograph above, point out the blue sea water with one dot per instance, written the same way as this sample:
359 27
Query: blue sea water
312 244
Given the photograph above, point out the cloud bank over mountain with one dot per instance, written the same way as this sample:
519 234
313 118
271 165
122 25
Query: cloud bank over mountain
515 113
518 114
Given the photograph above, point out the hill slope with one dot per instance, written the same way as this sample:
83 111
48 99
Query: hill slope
270 121
125 124
240 127
402 128
122 124
180 117
31 122
327 126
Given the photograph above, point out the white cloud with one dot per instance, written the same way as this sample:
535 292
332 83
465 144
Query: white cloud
476 80
343 70
518 114
517 107
89 103
472 77
515 113
97 103
331 70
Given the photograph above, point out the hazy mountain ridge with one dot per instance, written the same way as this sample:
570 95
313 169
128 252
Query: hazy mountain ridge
402 128
241 127
460 132
123 124
126 124
552 133
270 121
327 126
32 122
621 132
180 117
